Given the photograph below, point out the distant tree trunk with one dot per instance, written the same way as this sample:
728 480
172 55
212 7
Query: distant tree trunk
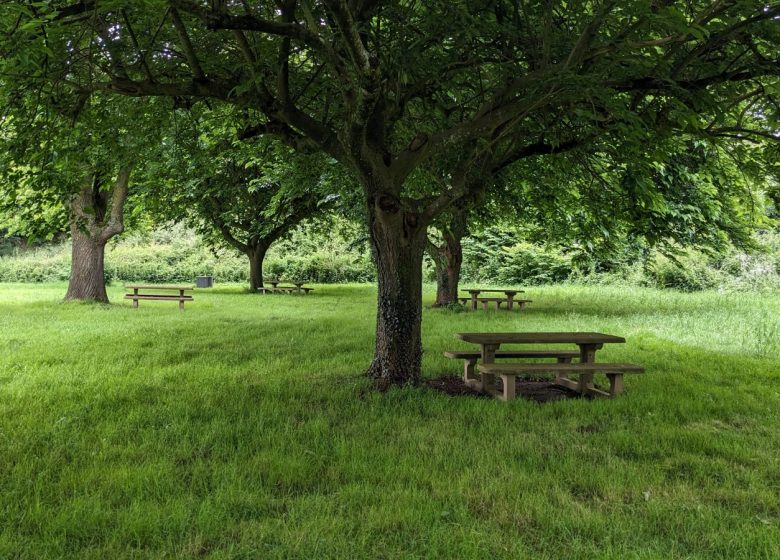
447 261
447 264
256 254
96 215
398 242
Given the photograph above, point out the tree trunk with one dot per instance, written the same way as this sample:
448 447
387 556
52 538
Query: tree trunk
87 278
447 263
256 254
96 215
398 243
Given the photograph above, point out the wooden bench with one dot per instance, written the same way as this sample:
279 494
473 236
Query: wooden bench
508 372
470 358
296 288
136 297
485 301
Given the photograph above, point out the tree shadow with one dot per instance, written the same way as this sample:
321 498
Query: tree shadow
536 391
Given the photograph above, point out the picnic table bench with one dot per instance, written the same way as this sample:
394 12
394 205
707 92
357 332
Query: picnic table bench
297 287
509 298
588 343
136 297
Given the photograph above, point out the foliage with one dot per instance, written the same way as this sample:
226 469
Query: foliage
240 194
178 255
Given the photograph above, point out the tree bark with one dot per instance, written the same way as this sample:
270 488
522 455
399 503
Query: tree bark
398 243
256 254
448 257
96 215
447 263
87 274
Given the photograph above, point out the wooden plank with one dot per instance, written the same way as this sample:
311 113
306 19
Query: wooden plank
517 369
466 355
478 290
539 338
159 287
158 297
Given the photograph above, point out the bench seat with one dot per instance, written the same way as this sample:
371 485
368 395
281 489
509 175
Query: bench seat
158 297
476 355
470 358
485 301
508 372
289 289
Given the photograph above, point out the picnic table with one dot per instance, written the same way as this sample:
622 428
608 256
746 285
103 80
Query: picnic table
587 342
297 287
181 298
509 298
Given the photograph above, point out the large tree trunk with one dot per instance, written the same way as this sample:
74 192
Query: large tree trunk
87 278
398 242
96 215
256 254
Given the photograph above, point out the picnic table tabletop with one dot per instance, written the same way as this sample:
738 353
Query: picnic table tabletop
159 287
580 338
479 290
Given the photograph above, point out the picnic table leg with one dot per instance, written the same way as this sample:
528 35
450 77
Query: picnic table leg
473 301
135 299
587 356
488 381
510 300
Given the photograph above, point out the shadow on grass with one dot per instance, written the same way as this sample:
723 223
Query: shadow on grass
537 391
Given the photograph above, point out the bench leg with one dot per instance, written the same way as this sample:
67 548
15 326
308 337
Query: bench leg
469 376
562 360
485 305
615 383
509 388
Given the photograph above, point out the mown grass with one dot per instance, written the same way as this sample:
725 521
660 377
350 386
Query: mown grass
242 428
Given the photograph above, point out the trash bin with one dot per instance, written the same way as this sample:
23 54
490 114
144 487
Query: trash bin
204 281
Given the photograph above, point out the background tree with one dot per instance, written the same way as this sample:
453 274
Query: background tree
243 194
81 163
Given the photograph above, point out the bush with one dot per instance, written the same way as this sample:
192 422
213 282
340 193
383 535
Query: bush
178 255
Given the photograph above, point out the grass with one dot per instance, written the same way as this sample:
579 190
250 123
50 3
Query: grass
242 428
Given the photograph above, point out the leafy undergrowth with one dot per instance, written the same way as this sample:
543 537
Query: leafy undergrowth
242 428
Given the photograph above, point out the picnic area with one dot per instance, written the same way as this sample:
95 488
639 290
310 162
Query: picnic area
389 280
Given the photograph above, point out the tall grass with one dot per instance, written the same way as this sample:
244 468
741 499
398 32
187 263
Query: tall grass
242 428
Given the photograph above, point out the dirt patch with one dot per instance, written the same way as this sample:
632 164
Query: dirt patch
537 391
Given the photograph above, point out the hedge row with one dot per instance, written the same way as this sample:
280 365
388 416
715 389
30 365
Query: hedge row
180 256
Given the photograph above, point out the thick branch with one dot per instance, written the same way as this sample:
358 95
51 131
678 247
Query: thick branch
189 50
116 222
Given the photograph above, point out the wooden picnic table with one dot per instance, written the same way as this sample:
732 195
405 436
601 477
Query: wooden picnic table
297 287
510 295
588 343
181 298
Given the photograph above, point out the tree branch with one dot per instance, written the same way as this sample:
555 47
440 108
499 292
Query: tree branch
189 50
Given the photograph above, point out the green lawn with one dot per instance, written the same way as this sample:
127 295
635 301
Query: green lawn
242 428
